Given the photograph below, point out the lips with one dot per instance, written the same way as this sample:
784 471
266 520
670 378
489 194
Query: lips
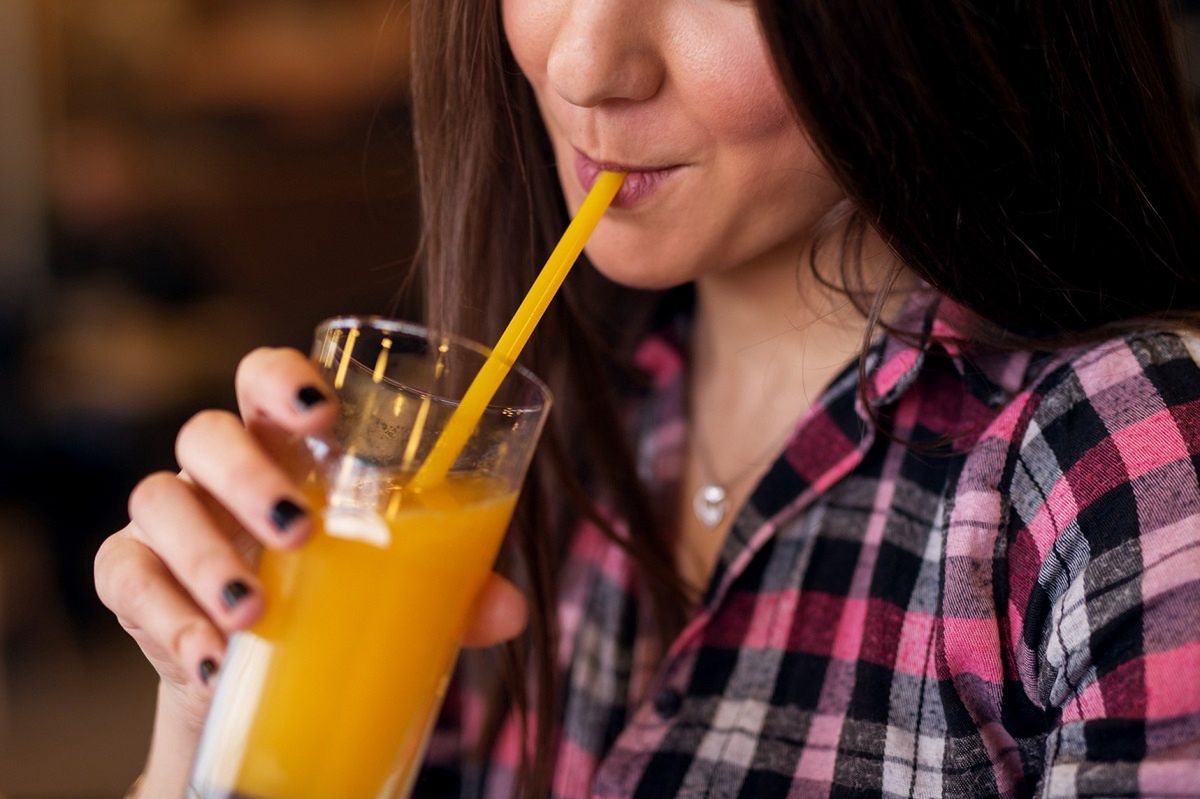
640 182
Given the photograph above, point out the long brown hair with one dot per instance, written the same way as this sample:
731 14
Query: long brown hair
1032 160
492 210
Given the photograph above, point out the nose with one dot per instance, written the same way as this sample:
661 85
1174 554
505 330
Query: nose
605 50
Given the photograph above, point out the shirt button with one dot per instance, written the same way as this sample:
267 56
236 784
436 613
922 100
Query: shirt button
667 702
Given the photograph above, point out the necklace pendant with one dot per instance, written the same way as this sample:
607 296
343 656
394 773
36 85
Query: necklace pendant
710 504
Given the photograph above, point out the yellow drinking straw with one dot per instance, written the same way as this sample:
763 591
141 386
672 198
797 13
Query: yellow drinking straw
485 385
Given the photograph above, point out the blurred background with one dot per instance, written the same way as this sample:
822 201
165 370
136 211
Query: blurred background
180 181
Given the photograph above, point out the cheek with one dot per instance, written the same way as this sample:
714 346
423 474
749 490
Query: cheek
529 27
774 185
725 73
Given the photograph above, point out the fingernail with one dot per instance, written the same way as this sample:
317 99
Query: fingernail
284 514
310 397
208 667
234 592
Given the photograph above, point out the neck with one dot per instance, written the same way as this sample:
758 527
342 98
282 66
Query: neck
767 338
774 324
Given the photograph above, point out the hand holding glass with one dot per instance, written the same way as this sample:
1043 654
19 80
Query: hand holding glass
334 692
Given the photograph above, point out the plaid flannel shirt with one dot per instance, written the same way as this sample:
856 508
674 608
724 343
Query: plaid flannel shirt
1016 614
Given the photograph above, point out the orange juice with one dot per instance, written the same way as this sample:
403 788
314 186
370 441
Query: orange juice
335 689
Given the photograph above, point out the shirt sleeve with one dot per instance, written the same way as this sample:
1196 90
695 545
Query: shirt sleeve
1104 569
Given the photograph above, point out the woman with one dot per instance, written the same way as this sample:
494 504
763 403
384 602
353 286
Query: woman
964 563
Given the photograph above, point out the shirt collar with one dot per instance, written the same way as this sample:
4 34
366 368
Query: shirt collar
932 326
837 431
929 327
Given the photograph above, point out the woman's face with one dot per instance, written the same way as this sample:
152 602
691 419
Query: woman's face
682 93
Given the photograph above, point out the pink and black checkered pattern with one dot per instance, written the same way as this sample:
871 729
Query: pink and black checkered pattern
1014 614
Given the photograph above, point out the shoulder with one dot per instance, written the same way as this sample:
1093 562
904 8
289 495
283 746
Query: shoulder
1110 427
1103 520
1101 480
1119 382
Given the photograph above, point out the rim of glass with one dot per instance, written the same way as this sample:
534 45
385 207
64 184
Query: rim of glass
415 330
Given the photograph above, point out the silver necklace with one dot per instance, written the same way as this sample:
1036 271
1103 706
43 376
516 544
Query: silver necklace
710 503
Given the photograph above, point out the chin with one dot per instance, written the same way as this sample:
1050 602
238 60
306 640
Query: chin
639 271
632 275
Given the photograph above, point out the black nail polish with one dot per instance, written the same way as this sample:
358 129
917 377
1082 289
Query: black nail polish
234 592
208 667
284 514
310 397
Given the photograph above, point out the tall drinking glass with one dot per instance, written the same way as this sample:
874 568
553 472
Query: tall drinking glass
334 692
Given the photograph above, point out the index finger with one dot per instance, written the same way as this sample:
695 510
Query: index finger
284 389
